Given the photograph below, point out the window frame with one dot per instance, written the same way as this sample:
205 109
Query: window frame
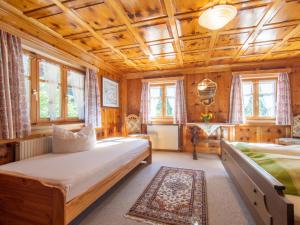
255 81
35 91
164 117
66 91
60 118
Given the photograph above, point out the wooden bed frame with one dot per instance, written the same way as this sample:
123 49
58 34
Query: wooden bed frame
27 201
261 192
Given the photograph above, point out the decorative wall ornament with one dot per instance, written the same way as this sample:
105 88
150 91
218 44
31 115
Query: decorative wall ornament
110 93
207 91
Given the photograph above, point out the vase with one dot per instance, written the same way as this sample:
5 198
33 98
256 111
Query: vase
206 120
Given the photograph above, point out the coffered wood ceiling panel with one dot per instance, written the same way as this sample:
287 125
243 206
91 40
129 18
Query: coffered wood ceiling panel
125 33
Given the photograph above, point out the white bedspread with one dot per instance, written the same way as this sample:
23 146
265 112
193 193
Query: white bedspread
293 150
77 172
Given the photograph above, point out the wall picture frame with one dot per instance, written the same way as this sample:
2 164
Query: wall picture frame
110 93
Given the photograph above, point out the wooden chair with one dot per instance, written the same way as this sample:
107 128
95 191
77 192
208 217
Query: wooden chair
134 127
295 136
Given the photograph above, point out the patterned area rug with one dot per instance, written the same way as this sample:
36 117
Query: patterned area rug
175 196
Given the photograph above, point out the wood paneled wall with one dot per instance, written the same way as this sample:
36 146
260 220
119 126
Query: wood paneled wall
111 117
220 107
295 87
134 90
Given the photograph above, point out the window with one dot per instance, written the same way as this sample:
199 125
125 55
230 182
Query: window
27 69
75 94
54 92
49 90
259 98
162 101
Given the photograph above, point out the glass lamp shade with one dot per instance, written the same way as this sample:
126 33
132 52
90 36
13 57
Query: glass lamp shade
217 17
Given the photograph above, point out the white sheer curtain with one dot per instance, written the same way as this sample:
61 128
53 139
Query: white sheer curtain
236 102
144 108
180 114
283 109
92 99
51 73
76 81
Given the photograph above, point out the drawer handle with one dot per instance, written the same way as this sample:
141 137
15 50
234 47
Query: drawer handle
254 190
255 203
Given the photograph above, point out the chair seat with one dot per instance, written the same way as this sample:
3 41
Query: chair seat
288 141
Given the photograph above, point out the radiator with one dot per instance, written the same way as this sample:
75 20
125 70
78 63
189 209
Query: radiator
164 137
33 147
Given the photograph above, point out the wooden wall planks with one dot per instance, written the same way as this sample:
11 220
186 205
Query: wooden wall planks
221 105
134 89
111 117
220 108
295 86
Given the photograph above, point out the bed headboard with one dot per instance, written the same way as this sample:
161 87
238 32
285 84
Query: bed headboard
33 147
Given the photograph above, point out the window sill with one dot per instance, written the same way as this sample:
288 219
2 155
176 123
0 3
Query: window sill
46 128
261 124
162 121
273 122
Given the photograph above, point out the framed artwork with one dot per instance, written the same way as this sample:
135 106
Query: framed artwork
110 93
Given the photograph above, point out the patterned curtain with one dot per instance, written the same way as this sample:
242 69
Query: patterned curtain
180 115
284 112
236 105
14 115
144 110
92 99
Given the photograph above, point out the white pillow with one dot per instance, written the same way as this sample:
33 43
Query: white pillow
65 141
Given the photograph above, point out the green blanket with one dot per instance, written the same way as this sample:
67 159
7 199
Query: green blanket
284 168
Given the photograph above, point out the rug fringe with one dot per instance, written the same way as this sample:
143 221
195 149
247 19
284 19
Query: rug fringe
143 220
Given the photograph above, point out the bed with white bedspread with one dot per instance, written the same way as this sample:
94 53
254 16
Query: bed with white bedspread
76 175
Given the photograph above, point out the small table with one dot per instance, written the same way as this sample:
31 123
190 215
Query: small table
207 128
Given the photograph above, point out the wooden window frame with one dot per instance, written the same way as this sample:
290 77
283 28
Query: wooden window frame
72 119
255 81
164 117
34 91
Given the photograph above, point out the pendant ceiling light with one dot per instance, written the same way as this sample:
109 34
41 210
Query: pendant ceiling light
218 16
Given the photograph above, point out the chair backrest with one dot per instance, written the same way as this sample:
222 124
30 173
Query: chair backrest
296 126
133 124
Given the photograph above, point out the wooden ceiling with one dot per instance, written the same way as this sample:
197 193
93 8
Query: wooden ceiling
124 33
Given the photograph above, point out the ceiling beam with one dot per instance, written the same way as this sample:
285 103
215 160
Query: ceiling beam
171 12
212 43
273 9
96 35
282 63
122 16
294 32
38 46
16 19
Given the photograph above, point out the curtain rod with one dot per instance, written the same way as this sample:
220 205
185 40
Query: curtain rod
163 79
